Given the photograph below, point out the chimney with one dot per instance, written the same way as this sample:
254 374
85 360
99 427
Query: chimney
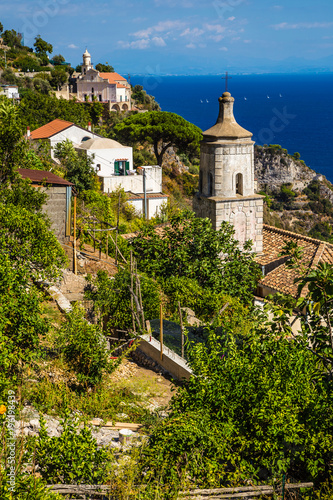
89 126
28 132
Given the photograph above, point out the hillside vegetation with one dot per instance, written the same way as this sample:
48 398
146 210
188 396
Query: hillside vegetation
257 409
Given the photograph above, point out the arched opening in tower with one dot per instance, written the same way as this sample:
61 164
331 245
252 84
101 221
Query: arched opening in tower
239 184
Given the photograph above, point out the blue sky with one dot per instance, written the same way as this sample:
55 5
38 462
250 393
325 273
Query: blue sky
182 36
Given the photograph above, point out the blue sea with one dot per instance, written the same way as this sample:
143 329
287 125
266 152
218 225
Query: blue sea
295 111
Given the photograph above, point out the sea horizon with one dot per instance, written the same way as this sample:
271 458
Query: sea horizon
293 110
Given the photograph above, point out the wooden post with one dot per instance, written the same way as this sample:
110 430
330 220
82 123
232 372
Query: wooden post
181 328
94 234
161 330
107 245
74 242
116 260
132 301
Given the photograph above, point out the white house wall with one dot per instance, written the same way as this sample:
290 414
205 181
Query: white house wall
154 206
134 183
106 158
74 134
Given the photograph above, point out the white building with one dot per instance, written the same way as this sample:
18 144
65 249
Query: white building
58 131
104 87
110 157
112 161
10 91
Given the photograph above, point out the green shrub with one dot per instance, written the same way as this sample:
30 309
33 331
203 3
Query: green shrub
84 348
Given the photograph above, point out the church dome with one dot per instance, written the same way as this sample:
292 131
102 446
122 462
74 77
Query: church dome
86 54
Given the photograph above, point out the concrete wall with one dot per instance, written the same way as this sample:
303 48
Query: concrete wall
56 209
134 183
154 205
171 362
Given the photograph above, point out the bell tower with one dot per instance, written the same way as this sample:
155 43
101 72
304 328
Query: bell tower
86 62
226 178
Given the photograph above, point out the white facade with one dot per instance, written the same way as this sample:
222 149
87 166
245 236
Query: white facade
134 183
104 87
110 157
10 91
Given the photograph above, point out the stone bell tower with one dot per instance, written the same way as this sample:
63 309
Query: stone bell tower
86 62
226 178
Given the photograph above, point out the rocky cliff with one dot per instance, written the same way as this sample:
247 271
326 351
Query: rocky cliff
274 166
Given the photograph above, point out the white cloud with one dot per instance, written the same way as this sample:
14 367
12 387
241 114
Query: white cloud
158 41
224 49
218 28
142 44
191 46
296 26
162 26
247 41
216 38
72 46
232 18
192 32
277 7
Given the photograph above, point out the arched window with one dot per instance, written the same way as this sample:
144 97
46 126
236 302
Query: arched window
239 184
210 184
92 90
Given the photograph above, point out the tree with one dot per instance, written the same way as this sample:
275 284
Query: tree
190 247
41 85
42 48
163 130
79 167
257 407
12 38
58 59
1 28
27 63
59 76
38 109
12 145
104 68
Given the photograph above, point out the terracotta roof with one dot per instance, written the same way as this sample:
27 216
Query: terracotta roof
112 77
50 129
277 276
42 176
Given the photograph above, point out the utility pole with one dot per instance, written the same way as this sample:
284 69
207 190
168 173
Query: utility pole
145 193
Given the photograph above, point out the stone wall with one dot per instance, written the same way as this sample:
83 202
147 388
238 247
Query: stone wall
55 208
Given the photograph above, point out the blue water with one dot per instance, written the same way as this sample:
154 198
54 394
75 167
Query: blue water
295 111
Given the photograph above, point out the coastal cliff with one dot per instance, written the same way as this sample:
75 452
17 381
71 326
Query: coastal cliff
296 197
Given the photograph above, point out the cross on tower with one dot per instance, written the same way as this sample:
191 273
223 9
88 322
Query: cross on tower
226 78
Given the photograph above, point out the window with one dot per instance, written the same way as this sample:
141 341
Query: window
98 168
86 138
121 167
92 90
100 97
239 184
121 98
